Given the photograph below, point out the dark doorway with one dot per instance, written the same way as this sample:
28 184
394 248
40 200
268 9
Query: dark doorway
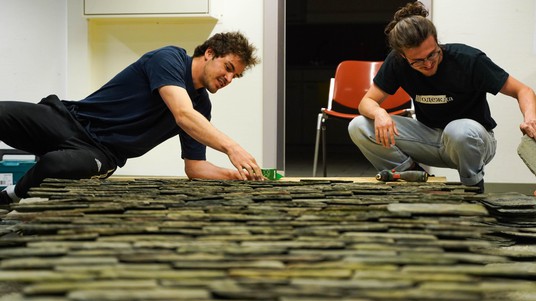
319 35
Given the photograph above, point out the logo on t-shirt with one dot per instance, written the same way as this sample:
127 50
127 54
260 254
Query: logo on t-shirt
433 99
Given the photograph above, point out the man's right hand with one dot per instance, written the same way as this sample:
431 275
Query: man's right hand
384 128
245 164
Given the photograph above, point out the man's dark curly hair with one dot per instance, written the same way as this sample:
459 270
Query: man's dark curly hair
230 43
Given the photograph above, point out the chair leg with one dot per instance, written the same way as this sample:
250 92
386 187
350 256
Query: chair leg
324 152
317 142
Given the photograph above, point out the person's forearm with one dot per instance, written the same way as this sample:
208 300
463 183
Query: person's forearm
527 104
199 128
193 122
369 108
199 169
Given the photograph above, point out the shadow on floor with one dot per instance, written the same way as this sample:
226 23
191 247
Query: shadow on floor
347 161
344 161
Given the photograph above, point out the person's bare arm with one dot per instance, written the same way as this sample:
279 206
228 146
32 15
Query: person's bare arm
201 169
199 128
384 125
527 103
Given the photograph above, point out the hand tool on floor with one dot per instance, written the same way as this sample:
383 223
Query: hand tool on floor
408 176
527 151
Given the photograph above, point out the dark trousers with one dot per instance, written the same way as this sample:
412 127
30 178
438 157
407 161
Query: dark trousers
48 131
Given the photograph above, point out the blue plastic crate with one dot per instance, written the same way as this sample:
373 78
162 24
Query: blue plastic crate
12 170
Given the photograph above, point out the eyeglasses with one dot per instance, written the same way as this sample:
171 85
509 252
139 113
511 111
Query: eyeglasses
420 62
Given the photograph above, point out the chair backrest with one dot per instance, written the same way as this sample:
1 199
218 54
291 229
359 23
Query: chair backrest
354 78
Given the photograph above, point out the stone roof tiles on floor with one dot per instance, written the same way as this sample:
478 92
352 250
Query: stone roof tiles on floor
315 240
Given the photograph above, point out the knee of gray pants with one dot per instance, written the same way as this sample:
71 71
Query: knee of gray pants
469 146
469 139
360 129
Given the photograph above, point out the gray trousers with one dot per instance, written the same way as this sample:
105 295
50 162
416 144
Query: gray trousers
464 145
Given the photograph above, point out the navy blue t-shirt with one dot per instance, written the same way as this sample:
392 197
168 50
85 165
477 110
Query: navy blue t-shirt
458 89
128 115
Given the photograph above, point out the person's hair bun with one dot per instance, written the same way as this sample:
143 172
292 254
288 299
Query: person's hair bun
411 9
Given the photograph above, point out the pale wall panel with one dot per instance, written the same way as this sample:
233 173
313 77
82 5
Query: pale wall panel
505 32
32 49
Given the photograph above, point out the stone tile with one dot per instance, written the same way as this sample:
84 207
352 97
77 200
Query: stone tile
439 209
138 294
322 239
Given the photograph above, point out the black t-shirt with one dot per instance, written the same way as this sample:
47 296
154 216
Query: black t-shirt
458 89
128 115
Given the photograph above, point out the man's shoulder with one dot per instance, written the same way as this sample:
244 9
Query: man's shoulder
461 49
166 56
167 50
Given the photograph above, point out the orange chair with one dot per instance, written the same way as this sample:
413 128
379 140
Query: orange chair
352 80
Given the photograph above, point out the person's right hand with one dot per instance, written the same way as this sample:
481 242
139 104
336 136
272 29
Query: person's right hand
245 164
385 129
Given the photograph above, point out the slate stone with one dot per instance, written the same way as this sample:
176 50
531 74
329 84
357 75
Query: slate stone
65 287
322 239
138 294
439 209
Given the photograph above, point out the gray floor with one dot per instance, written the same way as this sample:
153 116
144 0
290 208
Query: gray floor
341 162
346 161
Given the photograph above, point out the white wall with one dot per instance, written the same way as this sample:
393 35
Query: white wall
32 49
506 31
